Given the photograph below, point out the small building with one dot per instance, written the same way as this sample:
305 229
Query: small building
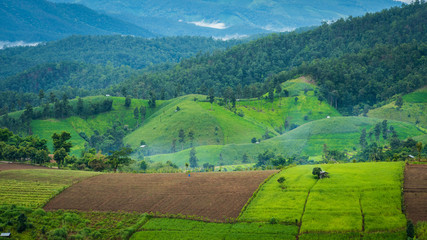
5 235
323 174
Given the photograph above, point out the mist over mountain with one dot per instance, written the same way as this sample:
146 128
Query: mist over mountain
230 18
40 20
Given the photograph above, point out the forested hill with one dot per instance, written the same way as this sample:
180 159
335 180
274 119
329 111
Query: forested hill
117 50
253 62
40 20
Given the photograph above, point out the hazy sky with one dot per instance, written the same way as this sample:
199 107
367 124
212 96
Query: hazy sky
405 1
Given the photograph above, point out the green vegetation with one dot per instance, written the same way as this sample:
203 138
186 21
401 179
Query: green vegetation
159 228
34 188
356 197
413 109
60 224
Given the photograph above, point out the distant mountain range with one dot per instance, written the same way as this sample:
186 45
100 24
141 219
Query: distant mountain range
227 19
40 20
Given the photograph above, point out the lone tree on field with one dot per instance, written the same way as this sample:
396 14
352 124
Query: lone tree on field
317 171
193 159
119 158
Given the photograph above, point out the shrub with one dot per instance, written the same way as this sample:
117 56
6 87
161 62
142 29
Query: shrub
281 180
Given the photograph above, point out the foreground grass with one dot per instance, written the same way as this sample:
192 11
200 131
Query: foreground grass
168 229
359 197
34 188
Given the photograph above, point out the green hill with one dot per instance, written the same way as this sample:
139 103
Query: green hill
413 110
338 133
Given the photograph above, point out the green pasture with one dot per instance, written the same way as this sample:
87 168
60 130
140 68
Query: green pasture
338 133
334 204
413 110
34 188
164 228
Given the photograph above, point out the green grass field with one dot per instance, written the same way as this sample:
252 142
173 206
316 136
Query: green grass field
413 110
339 133
168 229
34 188
335 204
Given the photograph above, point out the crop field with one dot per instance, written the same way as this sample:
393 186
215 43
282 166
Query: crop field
16 166
358 197
168 229
216 196
33 188
415 192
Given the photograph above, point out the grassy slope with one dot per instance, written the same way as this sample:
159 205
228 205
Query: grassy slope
334 204
100 122
339 133
414 109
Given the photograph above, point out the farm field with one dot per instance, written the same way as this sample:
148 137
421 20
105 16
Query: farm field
358 197
14 166
34 187
415 192
215 196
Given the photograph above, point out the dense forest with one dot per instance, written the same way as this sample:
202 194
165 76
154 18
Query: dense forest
79 65
373 75
255 61
135 52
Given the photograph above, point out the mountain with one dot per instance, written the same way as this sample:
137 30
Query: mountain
395 37
230 18
40 20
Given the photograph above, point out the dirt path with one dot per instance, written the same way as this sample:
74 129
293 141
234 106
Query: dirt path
415 192
216 196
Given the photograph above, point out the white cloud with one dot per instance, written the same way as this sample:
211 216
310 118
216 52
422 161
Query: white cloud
404 1
7 44
278 29
214 24
228 37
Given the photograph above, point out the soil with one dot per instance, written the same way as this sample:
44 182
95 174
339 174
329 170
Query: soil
415 192
216 196
18 166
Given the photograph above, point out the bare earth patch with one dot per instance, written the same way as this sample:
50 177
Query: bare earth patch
415 192
216 196
18 166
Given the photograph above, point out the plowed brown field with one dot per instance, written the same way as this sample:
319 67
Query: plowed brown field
216 196
18 166
415 192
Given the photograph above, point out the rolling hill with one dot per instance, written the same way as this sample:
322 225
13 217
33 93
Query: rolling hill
230 18
40 20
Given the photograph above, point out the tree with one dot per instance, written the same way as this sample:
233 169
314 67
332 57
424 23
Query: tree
384 129
399 102
419 147
136 115
80 106
191 137
193 159
296 100
362 139
181 136
281 180
245 158
152 101
271 94
377 131
142 112
128 101
211 96
253 140
316 171
61 141
119 158
41 95
173 147
52 97
59 156
143 165
279 92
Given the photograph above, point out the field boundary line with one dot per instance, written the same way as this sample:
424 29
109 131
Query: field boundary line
256 193
303 210
363 217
